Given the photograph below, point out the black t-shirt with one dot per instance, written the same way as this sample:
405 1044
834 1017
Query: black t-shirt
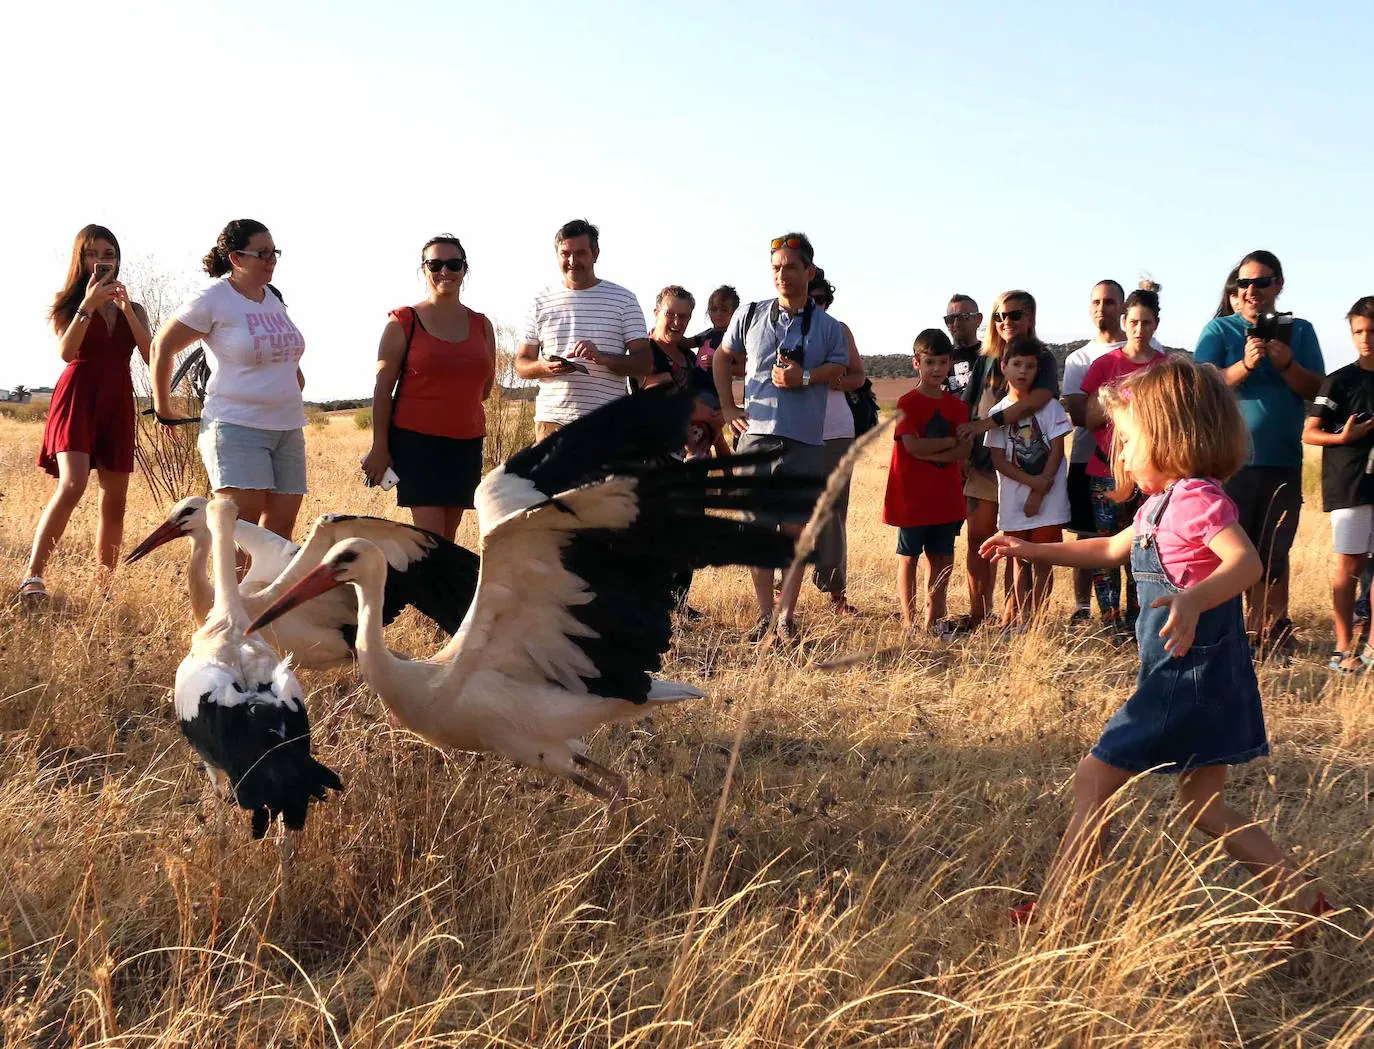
961 364
1345 392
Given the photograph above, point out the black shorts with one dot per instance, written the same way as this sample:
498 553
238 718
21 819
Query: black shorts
435 471
1269 500
936 540
1081 520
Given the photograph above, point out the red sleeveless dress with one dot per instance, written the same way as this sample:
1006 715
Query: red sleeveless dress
92 407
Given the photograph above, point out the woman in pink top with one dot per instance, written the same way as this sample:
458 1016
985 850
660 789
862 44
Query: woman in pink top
1111 511
1196 707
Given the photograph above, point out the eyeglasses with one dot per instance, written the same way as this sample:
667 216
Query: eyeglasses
1258 283
1008 315
950 318
264 254
452 265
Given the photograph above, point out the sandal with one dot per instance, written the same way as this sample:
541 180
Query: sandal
32 593
1337 665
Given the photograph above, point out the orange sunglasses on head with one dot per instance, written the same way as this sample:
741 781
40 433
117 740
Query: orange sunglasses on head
778 243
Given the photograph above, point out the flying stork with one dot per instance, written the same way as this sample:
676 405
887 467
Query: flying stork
240 706
424 570
581 537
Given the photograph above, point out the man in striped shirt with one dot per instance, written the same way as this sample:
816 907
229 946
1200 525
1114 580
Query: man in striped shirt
583 336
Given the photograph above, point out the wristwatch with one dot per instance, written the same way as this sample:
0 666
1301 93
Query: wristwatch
806 376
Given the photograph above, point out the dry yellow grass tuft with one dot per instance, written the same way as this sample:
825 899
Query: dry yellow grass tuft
816 859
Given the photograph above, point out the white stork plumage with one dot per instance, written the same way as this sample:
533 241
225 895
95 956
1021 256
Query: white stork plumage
582 536
240 706
424 570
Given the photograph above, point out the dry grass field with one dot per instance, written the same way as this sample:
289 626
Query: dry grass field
816 857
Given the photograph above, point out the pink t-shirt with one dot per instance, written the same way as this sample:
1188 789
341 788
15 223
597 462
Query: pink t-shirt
1108 370
1197 511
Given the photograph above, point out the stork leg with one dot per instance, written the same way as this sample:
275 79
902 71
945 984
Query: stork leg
614 796
285 849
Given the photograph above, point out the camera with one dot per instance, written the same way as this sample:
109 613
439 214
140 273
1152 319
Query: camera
1270 326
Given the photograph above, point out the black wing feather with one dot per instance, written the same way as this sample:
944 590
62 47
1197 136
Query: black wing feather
631 572
264 749
617 436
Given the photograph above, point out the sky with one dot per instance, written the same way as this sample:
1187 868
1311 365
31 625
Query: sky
926 148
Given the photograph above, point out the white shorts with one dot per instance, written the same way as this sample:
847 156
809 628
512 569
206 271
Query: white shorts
1352 530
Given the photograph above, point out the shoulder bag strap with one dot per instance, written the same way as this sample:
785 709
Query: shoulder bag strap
405 354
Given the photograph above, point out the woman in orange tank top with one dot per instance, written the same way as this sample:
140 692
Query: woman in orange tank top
435 368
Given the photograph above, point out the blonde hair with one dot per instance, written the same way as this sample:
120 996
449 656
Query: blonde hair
993 344
1186 415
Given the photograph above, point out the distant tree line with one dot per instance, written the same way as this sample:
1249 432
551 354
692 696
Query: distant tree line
898 365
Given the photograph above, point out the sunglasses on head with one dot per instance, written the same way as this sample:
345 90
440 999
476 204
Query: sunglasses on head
452 265
1008 315
779 243
1258 283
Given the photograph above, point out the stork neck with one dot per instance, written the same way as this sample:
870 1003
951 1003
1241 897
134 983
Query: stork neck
227 599
198 576
373 655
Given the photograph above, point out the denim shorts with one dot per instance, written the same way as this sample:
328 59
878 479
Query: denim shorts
246 457
935 540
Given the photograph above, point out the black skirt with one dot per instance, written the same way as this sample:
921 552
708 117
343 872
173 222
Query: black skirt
435 471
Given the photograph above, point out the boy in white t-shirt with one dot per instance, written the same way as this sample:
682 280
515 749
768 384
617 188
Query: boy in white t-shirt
1032 480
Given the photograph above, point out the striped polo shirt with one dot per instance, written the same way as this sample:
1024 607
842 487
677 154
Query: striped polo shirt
606 314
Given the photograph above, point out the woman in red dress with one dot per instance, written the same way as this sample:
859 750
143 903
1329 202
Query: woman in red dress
91 417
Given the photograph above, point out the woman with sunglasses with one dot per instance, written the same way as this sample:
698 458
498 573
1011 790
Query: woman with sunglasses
1013 317
91 416
252 427
1273 374
435 367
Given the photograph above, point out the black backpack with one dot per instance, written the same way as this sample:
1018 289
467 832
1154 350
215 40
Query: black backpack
863 404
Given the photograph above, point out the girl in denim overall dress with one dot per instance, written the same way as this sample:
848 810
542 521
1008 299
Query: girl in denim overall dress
1196 706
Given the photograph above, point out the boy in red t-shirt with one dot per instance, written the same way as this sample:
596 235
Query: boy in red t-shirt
925 487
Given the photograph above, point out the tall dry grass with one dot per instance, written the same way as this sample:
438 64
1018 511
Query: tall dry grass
815 859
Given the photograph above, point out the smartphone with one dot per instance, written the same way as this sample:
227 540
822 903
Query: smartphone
1363 417
104 270
576 366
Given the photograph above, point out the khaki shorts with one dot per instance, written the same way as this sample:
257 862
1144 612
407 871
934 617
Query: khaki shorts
980 484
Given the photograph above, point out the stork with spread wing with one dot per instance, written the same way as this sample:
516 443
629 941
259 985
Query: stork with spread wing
582 536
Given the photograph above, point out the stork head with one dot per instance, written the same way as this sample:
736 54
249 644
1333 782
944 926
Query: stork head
184 518
351 561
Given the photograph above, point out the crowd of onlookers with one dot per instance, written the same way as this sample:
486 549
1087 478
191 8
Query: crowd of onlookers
1128 451
993 436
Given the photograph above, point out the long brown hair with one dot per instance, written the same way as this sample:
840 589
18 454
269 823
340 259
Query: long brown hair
65 302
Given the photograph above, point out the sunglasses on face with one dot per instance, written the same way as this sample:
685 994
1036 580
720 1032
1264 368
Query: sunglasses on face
950 318
1258 283
452 265
265 254
1008 315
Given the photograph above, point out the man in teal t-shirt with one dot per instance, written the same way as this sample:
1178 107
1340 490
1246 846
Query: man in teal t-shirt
1272 381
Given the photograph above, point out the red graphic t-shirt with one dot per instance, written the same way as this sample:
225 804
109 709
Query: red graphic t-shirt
920 492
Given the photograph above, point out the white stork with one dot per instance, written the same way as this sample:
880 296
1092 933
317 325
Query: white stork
582 536
425 570
240 706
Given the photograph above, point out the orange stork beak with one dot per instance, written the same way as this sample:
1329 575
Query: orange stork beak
319 580
163 533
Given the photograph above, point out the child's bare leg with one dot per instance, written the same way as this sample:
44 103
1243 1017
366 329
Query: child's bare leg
1202 794
1344 581
906 589
1043 576
1094 784
939 567
1021 590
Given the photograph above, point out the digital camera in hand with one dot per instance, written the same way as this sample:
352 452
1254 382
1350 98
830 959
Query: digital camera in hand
1269 326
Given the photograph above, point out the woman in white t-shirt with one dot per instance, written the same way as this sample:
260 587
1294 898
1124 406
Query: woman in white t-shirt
832 545
252 437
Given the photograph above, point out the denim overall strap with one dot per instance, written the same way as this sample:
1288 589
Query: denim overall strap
1146 566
